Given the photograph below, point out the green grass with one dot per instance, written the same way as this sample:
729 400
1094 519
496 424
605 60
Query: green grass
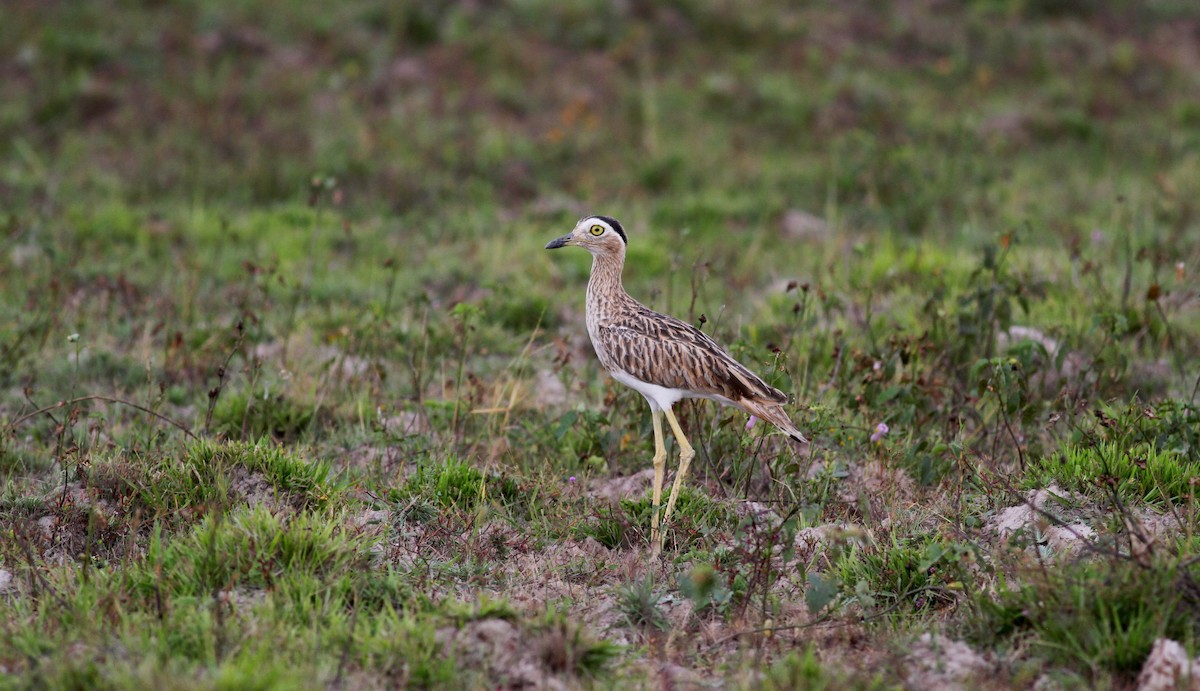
917 575
804 671
292 397
1100 619
639 604
1139 474
255 549
217 475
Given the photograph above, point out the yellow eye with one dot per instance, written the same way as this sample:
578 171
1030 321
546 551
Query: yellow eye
597 230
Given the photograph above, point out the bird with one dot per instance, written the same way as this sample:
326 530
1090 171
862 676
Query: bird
663 358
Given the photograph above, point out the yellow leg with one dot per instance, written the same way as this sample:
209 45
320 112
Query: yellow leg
660 464
686 453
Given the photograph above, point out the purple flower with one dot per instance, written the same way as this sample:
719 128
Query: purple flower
751 422
881 431
571 479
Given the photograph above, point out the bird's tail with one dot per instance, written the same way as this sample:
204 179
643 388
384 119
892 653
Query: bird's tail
774 414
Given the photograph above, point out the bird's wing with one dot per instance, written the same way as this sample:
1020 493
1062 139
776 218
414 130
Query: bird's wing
663 350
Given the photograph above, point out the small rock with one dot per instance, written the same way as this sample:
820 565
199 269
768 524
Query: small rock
268 351
408 71
253 487
1050 377
682 677
348 366
549 389
47 524
372 517
6 580
1064 539
406 423
627 487
809 539
1068 539
937 662
593 548
1012 126
1016 334
801 225
354 366
1168 668
23 255
1146 528
759 511
1022 515
493 632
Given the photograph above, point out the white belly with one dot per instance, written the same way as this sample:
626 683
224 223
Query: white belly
660 397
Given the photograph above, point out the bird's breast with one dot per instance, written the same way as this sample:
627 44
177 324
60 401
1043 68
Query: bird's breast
593 328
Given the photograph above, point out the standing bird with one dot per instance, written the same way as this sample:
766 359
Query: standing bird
661 357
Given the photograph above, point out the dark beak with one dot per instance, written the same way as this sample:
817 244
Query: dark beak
558 242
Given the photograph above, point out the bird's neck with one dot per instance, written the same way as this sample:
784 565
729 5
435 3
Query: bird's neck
605 283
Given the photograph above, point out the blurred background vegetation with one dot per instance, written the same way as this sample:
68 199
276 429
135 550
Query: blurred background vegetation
926 117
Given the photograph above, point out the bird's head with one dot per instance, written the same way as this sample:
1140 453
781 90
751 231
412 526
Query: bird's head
600 235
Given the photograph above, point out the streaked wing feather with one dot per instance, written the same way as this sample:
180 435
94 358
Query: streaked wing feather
663 350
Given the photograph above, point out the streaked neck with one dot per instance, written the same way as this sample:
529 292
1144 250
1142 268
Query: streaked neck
606 275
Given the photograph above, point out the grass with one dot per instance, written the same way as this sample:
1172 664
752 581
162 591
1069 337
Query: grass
917 575
639 603
1139 474
1097 618
291 397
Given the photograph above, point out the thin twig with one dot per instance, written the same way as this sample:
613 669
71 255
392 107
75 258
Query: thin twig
824 618
837 367
772 629
215 392
109 399
1013 434
1178 357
